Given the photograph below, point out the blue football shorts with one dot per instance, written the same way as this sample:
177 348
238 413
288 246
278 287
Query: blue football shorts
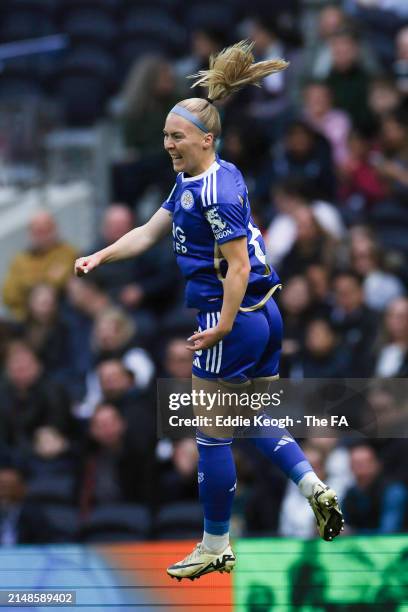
251 350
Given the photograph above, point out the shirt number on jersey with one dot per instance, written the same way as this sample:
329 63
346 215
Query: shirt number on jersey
255 233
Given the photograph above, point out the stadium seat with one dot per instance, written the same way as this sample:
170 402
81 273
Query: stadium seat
111 6
90 56
214 14
171 7
39 66
84 83
133 47
82 94
63 522
25 24
116 523
47 6
157 25
17 85
52 489
393 238
389 212
180 520
90 24
390 220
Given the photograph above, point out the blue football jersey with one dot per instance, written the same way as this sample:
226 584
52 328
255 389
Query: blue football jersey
209 210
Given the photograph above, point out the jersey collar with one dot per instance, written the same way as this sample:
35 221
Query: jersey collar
214 166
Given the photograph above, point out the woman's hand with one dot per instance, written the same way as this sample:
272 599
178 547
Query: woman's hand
206 339
83 265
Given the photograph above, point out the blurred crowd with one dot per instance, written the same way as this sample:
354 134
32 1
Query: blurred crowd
324 151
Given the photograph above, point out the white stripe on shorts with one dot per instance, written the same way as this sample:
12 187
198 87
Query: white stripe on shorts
219 349
207 363
214 348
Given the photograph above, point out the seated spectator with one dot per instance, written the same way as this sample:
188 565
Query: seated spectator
388 404
318 60
312 245
46 260
29 400
388 400
305 154
116 466
361 184
400 67
114 338
52 454
323 355
177 480
295 518
206 40
380 287
113 383
147 95
269 107
247 146
47 333
393 165
117 220
259 492
331 122
383 97
20 522
392 351
348 80
177 359
84 302
289 196
298 308
336 463
318 277
354 321
135 283
373 504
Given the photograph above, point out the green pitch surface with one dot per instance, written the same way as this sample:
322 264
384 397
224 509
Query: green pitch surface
349 574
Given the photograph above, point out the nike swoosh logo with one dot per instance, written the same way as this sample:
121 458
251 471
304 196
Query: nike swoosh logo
183 566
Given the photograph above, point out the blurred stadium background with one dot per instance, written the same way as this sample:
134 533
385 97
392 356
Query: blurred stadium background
85 86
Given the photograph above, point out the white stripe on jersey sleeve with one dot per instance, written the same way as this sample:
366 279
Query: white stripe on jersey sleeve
208 191
203 191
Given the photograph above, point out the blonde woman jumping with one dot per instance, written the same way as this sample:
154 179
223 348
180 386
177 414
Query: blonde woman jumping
221 253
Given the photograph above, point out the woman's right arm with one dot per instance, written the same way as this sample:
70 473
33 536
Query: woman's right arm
132 244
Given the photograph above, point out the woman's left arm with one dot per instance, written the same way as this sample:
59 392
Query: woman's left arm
235 284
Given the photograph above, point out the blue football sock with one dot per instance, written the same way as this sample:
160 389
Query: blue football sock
216 482
283 450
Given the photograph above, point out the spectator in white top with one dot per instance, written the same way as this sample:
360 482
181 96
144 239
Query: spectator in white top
380 287
295 518
333 123
289 196
114 335
392 357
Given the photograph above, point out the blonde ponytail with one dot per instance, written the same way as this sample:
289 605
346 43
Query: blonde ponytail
233 68
230 70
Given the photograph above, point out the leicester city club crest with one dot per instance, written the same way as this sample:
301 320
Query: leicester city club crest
187 200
